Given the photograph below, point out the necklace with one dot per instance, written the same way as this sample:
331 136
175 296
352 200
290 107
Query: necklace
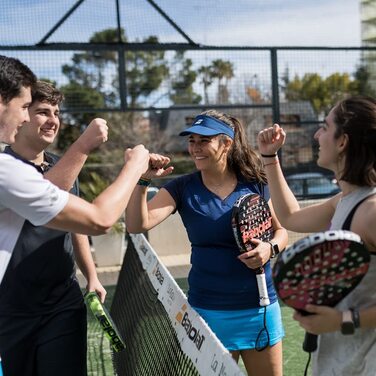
222 190
222 185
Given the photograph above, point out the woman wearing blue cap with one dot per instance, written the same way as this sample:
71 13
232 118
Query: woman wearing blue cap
222 284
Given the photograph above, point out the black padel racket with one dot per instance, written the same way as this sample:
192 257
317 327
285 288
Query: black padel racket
103 317
320 269
251 218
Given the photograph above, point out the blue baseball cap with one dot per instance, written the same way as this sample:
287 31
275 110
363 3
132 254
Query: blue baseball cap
208 126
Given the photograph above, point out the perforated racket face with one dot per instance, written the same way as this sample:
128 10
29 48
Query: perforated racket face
321 274
251 218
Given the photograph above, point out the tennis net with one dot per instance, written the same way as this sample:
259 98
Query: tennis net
163 335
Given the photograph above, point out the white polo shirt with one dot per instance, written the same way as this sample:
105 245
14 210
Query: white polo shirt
24 194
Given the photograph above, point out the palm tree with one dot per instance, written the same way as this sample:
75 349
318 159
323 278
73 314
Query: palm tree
206 73
223 69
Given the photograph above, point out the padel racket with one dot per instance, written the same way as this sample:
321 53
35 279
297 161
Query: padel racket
104 319
320 269
252 219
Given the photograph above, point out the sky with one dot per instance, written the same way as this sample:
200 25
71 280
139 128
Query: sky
299 23
211 22
255 23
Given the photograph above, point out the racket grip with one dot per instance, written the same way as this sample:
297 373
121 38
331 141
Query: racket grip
262 288
310 342
105 321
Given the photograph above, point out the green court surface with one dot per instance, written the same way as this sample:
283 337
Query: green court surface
99 354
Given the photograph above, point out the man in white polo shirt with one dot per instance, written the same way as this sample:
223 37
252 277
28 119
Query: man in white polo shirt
27 195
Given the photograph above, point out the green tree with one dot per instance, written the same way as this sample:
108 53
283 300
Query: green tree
94 83
145 72
73 123
88 68
285 79
182 84
321 92
361 83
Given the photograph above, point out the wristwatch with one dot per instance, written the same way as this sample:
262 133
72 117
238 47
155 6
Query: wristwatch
347 326
356 317
275 249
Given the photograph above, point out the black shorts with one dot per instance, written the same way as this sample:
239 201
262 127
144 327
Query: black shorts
57 346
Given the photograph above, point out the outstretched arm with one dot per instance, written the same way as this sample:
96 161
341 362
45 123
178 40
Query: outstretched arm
142 215
84 260
66 170
309 219
96 218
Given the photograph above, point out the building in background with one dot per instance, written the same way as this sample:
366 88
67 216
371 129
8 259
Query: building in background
297 117
368 35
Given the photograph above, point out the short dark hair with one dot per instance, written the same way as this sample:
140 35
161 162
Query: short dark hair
13 76
44 91
356 117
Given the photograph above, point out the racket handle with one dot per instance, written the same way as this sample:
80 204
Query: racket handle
262 288
105 321
310 342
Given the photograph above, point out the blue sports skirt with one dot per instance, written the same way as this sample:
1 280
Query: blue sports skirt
244 329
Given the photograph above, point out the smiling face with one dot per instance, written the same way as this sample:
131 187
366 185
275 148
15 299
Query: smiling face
208 152
13 115
43 127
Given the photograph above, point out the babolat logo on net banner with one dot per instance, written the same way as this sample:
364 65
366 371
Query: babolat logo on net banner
170 294
158 274
192 332
143 249
147 257
217 366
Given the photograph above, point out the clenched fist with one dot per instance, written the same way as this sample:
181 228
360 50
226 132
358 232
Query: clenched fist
94 135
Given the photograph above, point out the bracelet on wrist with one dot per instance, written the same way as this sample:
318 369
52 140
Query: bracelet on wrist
269 155
272 163
144 182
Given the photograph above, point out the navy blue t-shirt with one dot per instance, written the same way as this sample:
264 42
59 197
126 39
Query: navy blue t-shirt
217 280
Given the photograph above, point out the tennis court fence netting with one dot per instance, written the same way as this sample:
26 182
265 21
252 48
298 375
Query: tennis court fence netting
163 335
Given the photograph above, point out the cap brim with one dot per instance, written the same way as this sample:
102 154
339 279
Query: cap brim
197 129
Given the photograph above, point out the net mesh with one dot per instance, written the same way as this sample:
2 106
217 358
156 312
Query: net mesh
162 333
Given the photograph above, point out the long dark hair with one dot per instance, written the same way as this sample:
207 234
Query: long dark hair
356 117
241 159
